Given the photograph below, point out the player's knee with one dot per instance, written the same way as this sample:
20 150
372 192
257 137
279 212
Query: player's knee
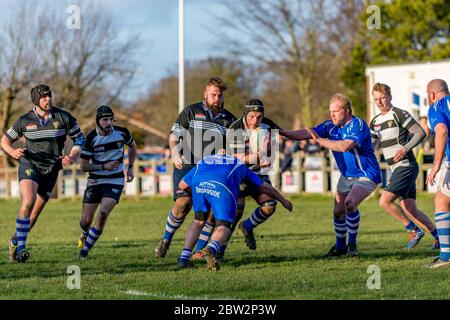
350 206
199 223
383 203
222 223
182 207
103 215
268 208
26 208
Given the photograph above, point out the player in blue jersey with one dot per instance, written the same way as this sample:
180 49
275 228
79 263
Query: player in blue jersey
439 121
349 138
214 183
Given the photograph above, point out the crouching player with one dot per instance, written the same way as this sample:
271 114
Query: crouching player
214 182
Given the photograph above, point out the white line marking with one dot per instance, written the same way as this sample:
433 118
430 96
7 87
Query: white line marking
167 296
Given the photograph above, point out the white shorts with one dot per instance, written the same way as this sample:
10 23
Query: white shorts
345 184
443 184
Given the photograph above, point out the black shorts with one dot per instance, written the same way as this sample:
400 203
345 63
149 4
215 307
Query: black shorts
95 193
403 182
252 190
46 182
178 175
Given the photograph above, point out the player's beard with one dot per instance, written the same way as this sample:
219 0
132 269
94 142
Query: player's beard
107 129
216 108
46 107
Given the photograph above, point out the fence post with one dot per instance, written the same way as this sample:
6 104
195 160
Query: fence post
300 157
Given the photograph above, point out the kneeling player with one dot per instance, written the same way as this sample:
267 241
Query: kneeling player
102 157
214 182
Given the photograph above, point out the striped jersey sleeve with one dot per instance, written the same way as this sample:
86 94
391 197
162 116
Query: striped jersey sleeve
127 137
181 124
404 118
15 132
87 150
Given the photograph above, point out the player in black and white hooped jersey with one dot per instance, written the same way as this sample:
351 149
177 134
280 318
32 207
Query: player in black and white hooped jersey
102 156
398 134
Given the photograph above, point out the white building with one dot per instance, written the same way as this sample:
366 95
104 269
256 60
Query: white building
408 84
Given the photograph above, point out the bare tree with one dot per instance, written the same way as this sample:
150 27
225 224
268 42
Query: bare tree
84 67
88 66
18 61
293 38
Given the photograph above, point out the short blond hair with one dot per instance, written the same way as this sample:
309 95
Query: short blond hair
382 88
347 103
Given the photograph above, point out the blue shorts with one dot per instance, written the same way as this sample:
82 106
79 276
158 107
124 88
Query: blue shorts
223 206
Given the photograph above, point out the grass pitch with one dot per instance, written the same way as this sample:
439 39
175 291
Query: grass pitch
286 265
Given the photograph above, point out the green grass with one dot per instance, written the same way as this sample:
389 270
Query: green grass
286 265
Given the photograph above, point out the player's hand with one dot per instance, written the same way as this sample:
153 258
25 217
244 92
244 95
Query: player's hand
177 161
264 163
313 134
67 160
130 175
400 155
111 165
431 176
287 204
18 153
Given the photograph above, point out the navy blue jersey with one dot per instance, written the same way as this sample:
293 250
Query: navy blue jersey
360 161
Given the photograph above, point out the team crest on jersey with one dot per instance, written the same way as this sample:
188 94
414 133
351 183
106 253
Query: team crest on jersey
242 187
56 124
31 127
390 124
29 171
200 116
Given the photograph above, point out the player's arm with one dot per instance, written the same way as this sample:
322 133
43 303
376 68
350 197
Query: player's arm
131 158
440 142
301 134
178 131
266 188
186 182
183 185
417 135
339 146
87 166
75 133
9 149
271 191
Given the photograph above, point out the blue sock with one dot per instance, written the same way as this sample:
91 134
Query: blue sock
352 219
411 226
214 246
172 224
255 219
443 229
92 237
341 234
204 236
186 254
22 230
